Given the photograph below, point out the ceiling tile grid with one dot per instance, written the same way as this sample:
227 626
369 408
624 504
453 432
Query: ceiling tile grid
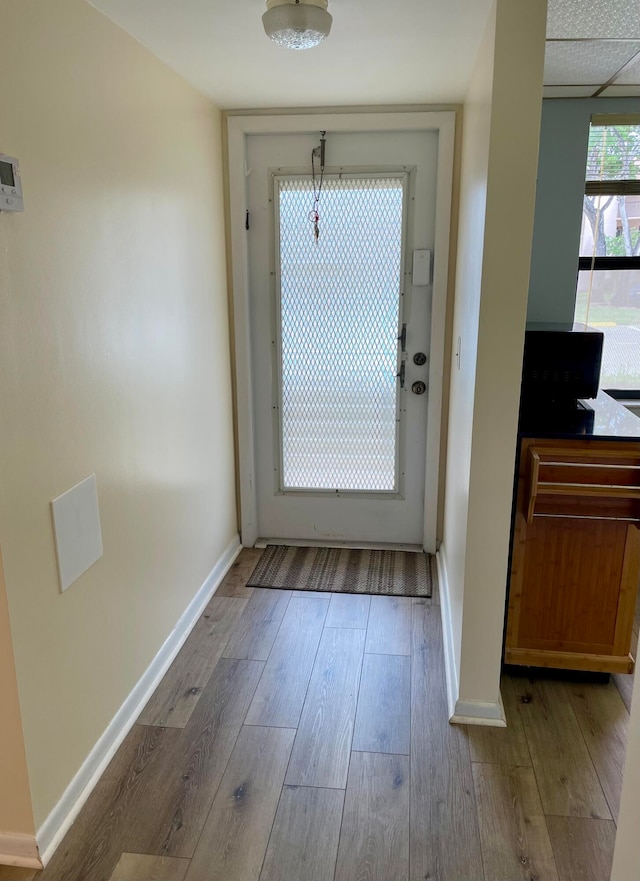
616 91
630 75
584 62
568 91
593 48
593 19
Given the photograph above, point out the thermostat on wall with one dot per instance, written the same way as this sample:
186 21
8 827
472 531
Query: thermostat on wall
10 186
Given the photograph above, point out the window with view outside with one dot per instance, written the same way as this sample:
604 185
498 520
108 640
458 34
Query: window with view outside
608 293
339 317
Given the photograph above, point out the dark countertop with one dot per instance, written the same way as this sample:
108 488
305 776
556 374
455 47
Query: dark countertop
601 418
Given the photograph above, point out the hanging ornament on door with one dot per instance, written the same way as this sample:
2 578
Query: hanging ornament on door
318 153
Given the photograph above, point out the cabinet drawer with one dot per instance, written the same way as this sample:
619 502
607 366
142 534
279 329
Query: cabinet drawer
596 484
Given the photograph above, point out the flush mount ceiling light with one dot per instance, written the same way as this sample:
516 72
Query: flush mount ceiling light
297 25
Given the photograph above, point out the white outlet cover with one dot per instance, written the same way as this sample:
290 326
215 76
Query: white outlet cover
76 527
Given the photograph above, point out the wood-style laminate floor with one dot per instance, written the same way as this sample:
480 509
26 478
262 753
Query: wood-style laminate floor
304 737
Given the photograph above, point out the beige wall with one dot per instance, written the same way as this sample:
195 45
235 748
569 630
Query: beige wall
114 359
16 815
500 147
473 186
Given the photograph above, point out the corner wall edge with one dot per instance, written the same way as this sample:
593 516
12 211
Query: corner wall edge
451 672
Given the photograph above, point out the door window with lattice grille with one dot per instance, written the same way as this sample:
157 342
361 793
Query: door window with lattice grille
339 301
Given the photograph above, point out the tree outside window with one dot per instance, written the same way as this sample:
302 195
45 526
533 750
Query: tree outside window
608 294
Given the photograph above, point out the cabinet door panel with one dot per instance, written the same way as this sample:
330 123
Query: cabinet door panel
571 583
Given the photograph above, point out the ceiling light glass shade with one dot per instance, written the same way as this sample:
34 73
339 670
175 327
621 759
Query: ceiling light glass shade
297 25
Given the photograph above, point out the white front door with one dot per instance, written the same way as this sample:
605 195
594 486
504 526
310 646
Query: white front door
339 335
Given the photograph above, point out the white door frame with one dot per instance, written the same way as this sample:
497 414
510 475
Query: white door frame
238 128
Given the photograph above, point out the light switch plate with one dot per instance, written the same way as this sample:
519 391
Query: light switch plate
76 526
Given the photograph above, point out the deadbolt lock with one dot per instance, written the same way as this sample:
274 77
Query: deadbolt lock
418 388
419 358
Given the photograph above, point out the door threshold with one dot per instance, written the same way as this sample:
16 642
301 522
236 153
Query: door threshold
331 543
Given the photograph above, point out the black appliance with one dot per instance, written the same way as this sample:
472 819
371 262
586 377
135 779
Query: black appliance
560 366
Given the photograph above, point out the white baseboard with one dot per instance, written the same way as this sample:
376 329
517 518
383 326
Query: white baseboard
462 712
451 671
57 824
19 850
480 713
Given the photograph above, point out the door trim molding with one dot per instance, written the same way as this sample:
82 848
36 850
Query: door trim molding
238 128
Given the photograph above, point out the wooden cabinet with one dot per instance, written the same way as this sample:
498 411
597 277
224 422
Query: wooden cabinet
576 555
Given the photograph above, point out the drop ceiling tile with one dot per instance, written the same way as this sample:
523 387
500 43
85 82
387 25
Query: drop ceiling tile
630 75
595 19
569 91
579 63
616 91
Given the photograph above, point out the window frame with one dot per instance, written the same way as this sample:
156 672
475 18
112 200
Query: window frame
621 187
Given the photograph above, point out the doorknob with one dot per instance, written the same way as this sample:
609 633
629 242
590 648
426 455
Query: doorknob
418 388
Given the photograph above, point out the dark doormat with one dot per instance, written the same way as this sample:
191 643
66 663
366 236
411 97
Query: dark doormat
344 570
